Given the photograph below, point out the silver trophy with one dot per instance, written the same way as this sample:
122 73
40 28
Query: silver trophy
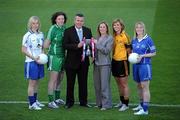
88 52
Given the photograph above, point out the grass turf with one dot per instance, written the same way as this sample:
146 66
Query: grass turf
161 19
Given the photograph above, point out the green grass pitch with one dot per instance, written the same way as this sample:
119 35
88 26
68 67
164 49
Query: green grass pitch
162 20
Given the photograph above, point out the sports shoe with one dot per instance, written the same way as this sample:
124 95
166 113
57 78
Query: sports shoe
52 105
97 106
86 105
123 107
102 109
141 112
34 106
118 105
139 107
60 102
39 104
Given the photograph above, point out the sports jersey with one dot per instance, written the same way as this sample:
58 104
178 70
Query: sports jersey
119 46
145 46
33 42
55 35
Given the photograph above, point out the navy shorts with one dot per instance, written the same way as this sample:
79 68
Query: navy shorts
33 71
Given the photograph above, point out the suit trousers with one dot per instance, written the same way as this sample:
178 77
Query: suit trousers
82 74
102 75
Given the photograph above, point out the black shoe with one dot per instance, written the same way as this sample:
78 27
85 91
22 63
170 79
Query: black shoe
86 105
68 106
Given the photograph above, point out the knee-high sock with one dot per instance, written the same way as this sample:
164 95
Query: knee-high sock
31 99
57 94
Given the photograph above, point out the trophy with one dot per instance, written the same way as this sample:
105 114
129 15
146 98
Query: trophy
87 44
88 52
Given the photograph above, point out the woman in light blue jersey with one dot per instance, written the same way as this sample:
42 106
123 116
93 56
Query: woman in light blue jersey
143 45
32 46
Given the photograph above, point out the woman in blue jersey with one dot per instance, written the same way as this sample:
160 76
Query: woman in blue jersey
32 46
56 54
143 45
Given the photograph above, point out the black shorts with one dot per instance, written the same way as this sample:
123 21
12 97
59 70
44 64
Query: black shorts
120 68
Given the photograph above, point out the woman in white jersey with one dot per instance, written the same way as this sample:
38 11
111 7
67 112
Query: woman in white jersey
32 46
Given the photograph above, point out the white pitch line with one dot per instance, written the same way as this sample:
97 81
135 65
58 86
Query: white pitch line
133 104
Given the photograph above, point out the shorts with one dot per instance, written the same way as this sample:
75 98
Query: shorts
33 71
120 68
142 72
55 63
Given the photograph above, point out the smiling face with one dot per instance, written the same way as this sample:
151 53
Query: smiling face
79 22
35 25
102 29
139 28
117 27
60 20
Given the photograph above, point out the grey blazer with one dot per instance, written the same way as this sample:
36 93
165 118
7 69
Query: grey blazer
103 50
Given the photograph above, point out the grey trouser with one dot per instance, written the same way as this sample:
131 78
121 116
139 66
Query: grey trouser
102 75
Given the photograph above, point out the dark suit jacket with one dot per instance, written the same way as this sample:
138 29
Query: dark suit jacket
70 43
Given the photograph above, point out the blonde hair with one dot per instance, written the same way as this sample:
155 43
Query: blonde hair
144 28
121 23
31 20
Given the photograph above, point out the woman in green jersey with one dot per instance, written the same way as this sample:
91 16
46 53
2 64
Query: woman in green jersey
56 54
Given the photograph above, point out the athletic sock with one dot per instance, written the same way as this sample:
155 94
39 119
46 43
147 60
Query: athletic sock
57 94
141 102
51 98
145 106
126 101
122 99
35 96
31 99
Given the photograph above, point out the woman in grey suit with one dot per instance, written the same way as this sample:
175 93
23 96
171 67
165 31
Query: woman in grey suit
102 67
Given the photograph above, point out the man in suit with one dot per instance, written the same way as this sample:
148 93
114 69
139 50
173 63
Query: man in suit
74 64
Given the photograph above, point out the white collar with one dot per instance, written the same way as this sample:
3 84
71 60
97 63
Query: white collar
78 29
139 40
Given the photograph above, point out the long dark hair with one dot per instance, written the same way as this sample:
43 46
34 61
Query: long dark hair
55 15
